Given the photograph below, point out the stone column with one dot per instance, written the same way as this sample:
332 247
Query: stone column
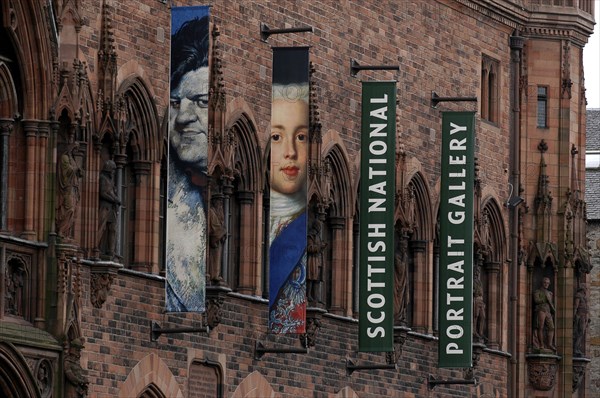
246 270
492 295
339 273
227 192
422 287
120 161
142 259
6 126
42 174
31 129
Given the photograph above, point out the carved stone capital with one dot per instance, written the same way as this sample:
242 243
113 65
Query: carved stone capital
102 276
400 334
313 324
100 284
541 371
579 366
215 297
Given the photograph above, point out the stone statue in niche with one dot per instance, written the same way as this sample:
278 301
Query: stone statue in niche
401 282
478 305
580 322
15 282
109 210
77 382
315 247
544 311
68 177
216 238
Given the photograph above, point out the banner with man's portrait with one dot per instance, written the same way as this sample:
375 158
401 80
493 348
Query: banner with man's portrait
288 181
186 232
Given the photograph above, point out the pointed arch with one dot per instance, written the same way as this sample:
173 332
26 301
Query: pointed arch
150 373
493 239
246 216
139 142
254 385
152 391
9 102
16 379
338 268
247 158
35 44
141 125
497 234
340 190
418 223
423 209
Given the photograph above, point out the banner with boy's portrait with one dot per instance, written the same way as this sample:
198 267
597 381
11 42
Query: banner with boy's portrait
186 216
288 185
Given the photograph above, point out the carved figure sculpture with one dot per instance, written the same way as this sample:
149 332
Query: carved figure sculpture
580 322
68 175
543 336
216 237
109 210
401 282
478 305
314 248
77 382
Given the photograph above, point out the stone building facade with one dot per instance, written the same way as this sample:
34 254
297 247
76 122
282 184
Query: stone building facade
84 84
592 194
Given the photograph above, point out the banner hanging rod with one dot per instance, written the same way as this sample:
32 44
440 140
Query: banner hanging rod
265 31
355 67
436 99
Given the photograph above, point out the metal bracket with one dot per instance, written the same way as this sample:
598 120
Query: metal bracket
436 99
261 350
432 382
265 31
157 331
351 367
355 67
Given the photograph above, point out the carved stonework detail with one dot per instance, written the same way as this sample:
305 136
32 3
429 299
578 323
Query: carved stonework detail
100 284
579 367
541 370
580 322
213 311
313 325
400 334
545 314
314 248
566 88
215 297
69 175
44 377
312 329
14 288
76 385
401 266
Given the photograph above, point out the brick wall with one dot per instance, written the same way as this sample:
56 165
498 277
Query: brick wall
438 46
117 337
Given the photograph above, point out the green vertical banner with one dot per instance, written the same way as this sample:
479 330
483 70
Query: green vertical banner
456 240
377 193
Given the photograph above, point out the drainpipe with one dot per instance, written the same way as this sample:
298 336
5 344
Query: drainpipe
516 45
